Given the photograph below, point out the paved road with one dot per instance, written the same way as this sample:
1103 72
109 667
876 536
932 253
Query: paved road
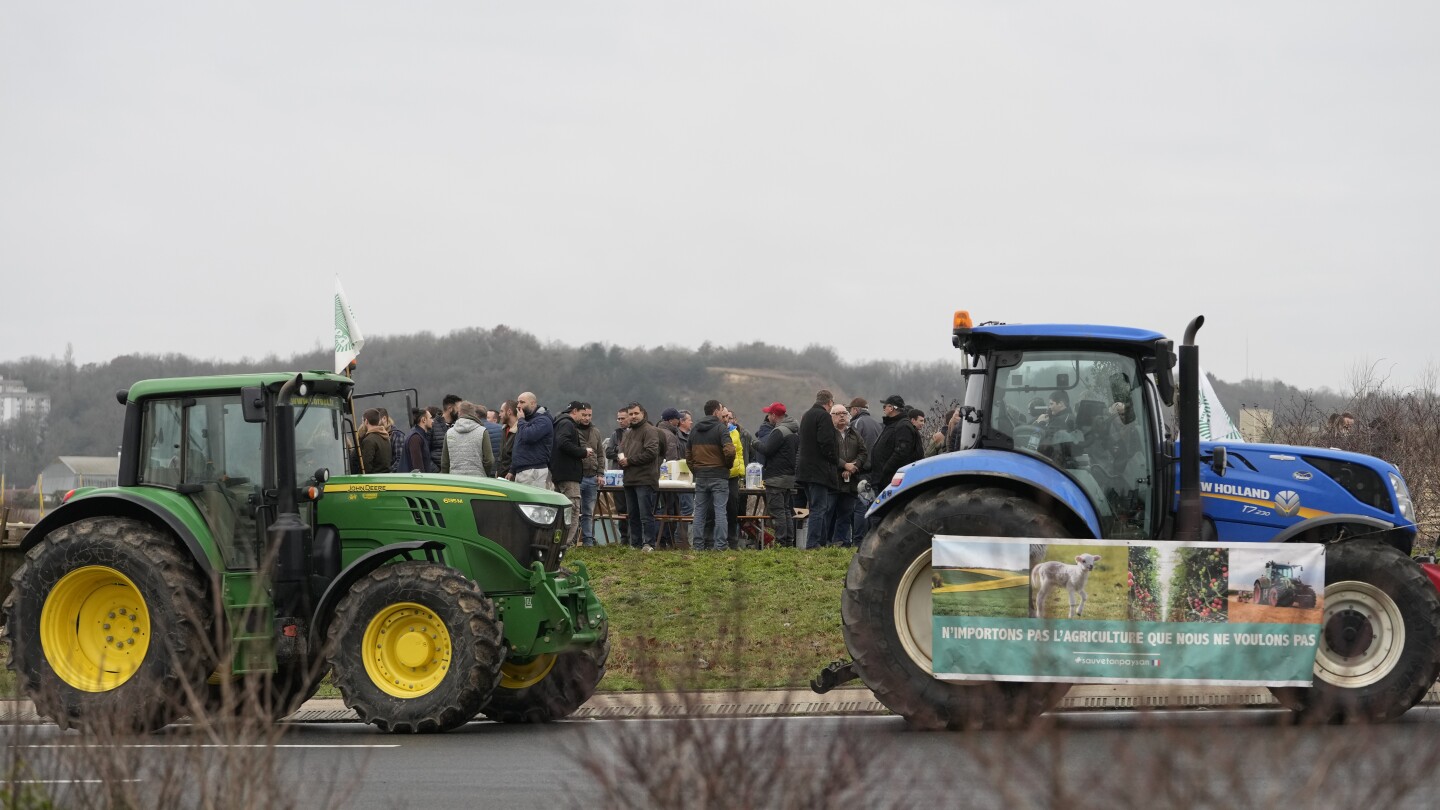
1228 758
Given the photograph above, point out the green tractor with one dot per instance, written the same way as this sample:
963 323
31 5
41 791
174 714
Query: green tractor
1280 586
228 560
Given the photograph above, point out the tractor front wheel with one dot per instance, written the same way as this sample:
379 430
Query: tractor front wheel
886 611
548 687
1379 638
107 626
415 647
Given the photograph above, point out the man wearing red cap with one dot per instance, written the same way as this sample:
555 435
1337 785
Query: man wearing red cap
779 448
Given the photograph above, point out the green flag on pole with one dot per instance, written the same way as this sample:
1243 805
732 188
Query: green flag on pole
348 340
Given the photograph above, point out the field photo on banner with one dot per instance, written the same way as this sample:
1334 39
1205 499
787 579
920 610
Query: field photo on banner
981 579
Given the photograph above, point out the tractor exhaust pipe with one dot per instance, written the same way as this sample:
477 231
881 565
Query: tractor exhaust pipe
288 534
1187 521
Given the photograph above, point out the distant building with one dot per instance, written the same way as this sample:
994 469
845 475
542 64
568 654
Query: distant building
68 472
1255 423
16 399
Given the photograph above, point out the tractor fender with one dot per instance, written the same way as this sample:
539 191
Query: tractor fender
1015 471
320 622
1373 527
118 503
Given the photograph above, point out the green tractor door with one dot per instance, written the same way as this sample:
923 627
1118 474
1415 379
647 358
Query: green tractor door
203 447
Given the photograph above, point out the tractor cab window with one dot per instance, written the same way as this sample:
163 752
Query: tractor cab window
1083 412
204 448
318 432
161 442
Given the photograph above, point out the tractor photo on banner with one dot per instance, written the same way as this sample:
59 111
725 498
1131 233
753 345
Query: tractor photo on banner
1117 611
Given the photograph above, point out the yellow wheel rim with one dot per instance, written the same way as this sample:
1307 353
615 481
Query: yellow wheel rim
519 676
95 628
407 650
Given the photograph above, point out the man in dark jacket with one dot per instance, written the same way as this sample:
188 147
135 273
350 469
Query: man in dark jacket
443 417
851 448
374 445
416 451
674 533
567 464
866 425
508 420
710 453
641 452
778 448
591 469
896 446
534 443
817 468
490 420
863 423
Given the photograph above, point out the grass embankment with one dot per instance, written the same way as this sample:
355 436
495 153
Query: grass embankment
708 620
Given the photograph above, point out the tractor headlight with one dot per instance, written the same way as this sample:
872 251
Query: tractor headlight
1402 497
538 514
569 515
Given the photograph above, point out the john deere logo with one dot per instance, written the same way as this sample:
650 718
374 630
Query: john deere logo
1287 503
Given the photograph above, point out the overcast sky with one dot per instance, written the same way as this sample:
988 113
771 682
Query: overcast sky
177 177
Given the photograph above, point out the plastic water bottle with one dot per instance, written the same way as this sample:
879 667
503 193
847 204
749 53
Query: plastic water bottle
667 471
753 475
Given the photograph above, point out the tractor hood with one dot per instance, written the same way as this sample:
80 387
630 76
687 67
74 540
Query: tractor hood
526 522
443 485
1269 487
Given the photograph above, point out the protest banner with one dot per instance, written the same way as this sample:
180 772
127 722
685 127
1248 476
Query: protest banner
1126 612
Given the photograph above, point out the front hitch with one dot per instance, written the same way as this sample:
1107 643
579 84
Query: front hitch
832 676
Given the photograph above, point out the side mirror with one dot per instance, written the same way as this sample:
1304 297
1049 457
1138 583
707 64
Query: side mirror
1218 460
252 404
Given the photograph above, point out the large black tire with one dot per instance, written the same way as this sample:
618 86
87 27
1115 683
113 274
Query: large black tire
1305 600
565 682
125 584
1282 596
889 583
1379 639
392 663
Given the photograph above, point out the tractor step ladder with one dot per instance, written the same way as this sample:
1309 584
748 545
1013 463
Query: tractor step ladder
252 624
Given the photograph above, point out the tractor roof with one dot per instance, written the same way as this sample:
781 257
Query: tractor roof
1019 334
172 386
1069 330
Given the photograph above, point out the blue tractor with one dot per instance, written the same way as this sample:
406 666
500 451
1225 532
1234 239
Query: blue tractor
1068 433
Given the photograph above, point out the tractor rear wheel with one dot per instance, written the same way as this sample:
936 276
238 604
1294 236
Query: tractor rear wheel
886 611
1282 596
548 687
1379 638
107 627
415 647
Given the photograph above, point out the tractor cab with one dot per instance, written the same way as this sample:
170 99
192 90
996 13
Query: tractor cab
1086 401
1284 571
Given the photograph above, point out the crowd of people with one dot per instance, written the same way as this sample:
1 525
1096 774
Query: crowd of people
819 471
